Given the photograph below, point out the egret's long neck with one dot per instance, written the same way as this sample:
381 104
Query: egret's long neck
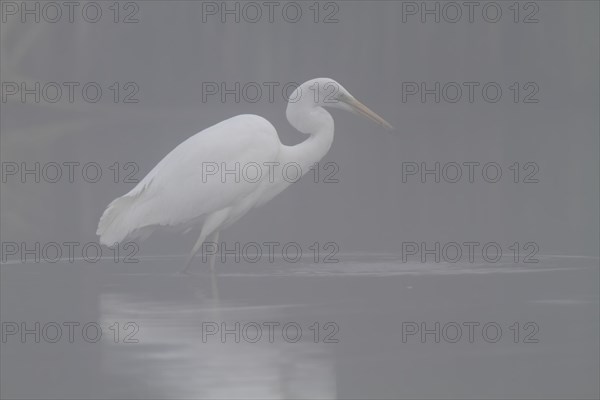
318 123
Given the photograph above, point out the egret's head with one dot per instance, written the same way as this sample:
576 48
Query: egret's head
325 92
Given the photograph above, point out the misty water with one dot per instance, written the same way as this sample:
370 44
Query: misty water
161 333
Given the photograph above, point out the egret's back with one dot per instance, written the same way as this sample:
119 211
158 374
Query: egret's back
179 190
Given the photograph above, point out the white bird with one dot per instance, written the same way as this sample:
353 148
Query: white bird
201 180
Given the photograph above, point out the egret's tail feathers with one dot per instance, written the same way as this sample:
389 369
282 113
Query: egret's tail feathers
114 225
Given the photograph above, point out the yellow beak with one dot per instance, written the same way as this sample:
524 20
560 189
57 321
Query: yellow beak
366 112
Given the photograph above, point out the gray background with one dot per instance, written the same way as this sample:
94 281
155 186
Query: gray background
370 51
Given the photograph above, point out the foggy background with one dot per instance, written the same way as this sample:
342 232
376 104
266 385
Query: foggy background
170 52
373 48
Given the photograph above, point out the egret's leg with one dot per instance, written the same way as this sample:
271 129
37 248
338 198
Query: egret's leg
195 249
211 224
214 238
213 276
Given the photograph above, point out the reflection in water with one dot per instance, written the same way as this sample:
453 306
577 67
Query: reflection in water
368 296
172 360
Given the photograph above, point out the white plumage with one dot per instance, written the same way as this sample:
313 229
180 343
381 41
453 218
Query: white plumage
183 189
173 194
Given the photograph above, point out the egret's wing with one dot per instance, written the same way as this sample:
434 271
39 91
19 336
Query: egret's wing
181 187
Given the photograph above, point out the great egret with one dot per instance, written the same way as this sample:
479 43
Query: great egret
183 189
